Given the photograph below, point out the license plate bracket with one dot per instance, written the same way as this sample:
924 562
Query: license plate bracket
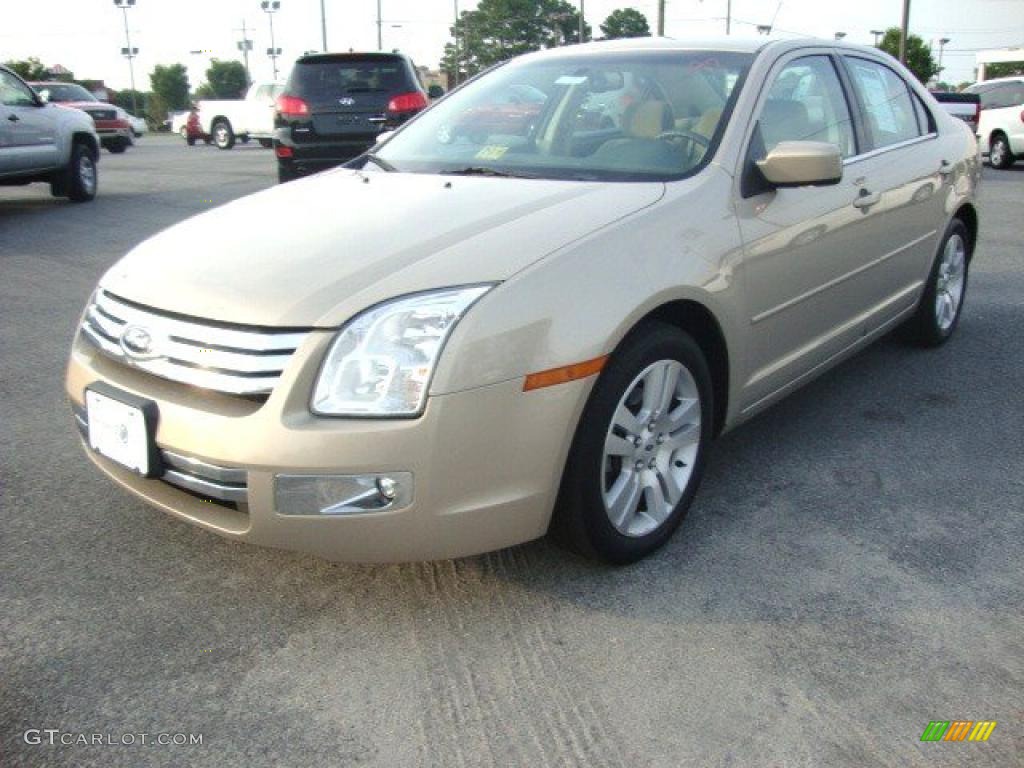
122 428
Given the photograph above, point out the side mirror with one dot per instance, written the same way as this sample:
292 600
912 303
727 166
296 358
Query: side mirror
44 96
435 91
802 163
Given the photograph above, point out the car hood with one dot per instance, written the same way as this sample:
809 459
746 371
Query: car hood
313 252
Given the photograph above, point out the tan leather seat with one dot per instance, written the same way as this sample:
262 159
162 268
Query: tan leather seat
647 120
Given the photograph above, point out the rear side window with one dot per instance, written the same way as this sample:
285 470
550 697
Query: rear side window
888 108
324 78
925 121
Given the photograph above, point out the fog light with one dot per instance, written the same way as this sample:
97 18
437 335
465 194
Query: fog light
342 494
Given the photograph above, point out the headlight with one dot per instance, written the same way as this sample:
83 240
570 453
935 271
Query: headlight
382 361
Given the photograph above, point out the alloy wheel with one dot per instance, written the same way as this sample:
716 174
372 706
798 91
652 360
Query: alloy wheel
949 289
651 448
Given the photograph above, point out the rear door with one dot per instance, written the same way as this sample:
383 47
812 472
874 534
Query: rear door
907 173
348 96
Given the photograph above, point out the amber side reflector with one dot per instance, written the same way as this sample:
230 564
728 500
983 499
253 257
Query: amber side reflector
566 373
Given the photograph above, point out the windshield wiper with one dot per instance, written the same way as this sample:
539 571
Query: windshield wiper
379 162
483 170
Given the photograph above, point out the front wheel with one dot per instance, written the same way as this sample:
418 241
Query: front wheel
223 136
639 450
118 147
943 300
78 182
999 153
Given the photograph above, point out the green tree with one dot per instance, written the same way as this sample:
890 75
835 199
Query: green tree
30 68
625 22
123 99
226 79
919 57
171 84
156 111
501 29
1004 69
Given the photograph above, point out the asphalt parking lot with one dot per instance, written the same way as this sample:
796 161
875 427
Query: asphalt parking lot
851 569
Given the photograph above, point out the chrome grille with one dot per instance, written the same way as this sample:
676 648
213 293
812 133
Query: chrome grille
228 484
235 360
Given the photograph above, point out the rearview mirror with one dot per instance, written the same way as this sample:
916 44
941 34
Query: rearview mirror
802 163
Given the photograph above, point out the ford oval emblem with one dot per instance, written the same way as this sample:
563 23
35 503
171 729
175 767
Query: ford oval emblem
137 342
346 101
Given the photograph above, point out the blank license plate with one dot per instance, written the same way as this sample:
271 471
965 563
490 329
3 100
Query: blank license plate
118 431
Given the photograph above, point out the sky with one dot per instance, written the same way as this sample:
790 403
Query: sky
86 36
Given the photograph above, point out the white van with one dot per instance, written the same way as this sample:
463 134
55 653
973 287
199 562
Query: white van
1001 128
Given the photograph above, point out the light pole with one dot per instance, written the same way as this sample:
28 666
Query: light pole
323 24
270 7
245 45
878 34
942 44
583 26
380 32
129 52
455 30
904 28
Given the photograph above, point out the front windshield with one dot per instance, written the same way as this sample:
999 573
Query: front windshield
66 92
616 116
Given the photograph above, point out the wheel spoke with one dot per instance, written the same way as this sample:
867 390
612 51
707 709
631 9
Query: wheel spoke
626 420
673 493
654 384
618 446
657 507
622 499
684 437
687 412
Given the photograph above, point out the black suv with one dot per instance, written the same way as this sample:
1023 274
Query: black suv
335 104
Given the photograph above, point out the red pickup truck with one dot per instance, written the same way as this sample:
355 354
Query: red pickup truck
114 133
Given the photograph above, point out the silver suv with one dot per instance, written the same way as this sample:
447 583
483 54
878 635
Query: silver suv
45 142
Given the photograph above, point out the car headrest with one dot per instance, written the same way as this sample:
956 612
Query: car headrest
648 119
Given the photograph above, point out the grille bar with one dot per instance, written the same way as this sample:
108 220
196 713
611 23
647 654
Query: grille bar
230 484
236 361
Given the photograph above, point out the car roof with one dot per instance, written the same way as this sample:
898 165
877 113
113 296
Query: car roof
721 43
342 55
996 80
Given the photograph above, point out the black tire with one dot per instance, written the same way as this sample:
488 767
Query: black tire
266 143
999 154
286 174
191 141
118 147
72 182
223 136
580 520
924 328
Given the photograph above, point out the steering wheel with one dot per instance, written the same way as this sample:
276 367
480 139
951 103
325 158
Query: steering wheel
690 136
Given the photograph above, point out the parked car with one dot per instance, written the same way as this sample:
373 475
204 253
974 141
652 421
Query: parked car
453 347
227 121
115 133
963 106
138 125
335 105
46 143
1001 125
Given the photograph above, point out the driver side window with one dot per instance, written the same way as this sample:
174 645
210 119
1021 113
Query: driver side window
806 103
13 93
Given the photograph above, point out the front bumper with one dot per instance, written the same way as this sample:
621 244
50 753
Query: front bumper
486 462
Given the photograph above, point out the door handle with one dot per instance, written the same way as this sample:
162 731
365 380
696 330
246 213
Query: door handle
866 199
945 168
13 118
